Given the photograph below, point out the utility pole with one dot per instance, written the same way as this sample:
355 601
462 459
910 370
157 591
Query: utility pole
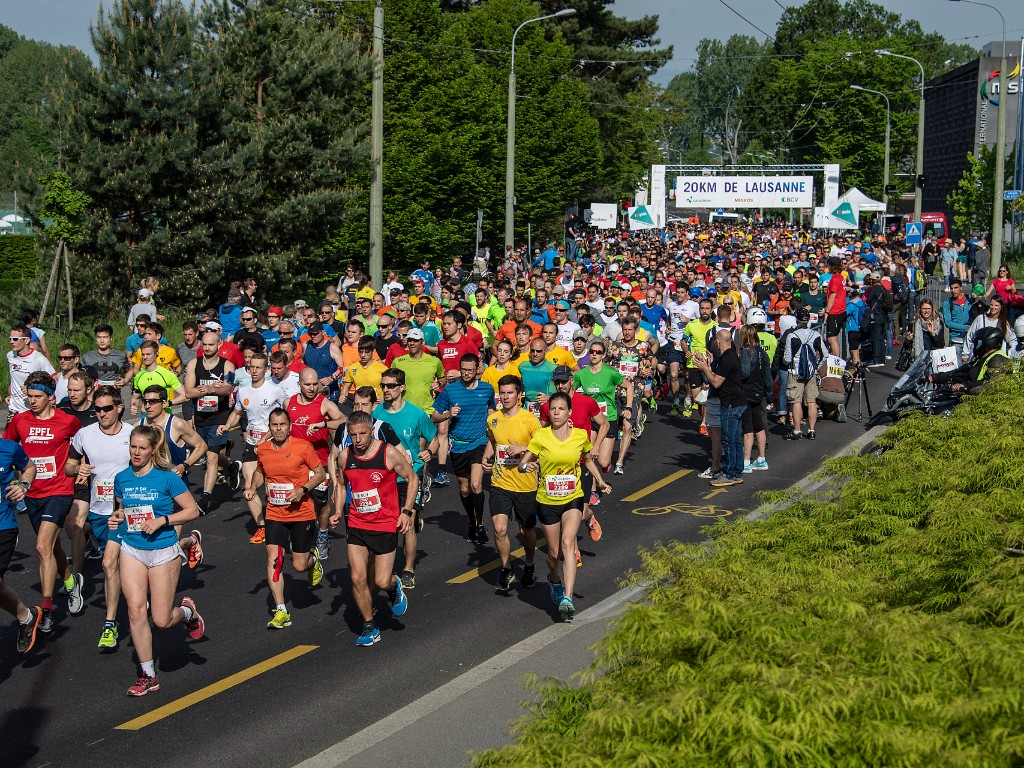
377 151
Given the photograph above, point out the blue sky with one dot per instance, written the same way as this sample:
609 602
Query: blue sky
683 22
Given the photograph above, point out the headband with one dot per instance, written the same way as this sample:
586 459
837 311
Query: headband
40 388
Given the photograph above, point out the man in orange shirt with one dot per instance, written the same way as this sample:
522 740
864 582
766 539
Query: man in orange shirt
291 470
507 330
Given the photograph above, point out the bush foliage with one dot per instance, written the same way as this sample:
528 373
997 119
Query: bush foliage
878 623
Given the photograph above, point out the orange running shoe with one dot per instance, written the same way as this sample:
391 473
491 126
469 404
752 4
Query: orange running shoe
595 529
195 552
704 429
260 537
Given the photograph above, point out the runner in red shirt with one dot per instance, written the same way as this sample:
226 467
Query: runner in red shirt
455 343
835 304
45 434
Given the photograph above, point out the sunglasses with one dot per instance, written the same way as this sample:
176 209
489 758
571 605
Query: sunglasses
151 401
389 386
104 408
18 338
66 357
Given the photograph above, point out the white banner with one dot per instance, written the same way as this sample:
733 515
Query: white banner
657 204
640 218
603 215
744 191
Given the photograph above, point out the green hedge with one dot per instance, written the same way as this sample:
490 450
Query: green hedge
877 624
18 259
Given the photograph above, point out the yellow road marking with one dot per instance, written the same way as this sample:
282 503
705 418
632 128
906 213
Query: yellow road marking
655 486
212 690
716 492
486 567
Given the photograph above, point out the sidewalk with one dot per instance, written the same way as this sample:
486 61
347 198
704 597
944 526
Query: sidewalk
472 712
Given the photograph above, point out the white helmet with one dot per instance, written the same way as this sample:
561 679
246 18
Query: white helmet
756 316
1018 327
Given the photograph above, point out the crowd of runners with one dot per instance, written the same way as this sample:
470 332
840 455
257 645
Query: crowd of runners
526 380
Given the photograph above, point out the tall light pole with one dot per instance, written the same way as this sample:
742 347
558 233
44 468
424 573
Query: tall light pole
888 114
919 172
510 151
997 202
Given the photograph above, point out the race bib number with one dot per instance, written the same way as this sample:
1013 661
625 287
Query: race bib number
255 436
836 367
366 502
105 490
46 467
504 456
534 408
629 368
559 486
279 494
770 326
814 317
207 404
677 344
323 485
136 516
603 407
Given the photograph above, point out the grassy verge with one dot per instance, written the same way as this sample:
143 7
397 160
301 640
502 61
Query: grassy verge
879 624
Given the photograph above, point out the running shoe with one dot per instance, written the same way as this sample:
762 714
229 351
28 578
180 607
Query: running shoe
723 482
315 574
471 534
792 436
619 470
144 685
760 465
195 627
195 552
235 475
76 603
674 410
557 591
506 577
529 576
399 603
687 411
441 479
704 429
810 434
108 637
595 498
652 404
567 609
579 559
709 474
638 428
369 636
481 536
45 621
323 544
94 553
408 579
280 620
748 468
595 529
260 537
27 632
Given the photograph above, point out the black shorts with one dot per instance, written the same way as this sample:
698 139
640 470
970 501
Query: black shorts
322 497
753 418
52 509
523 504
249 454
662 355
460 463
8 542
674 355
853 339
378 542
298 535
695 377
834 325
551 514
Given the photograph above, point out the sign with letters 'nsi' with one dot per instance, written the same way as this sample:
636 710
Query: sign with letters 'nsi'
745 191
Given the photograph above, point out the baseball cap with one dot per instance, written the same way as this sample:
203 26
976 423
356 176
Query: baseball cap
211 325
580 334
145 293
299 304
616 284
275 311
978 290
414 334
315 327
559 290
561 373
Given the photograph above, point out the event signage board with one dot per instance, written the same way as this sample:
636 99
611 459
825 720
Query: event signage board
745 191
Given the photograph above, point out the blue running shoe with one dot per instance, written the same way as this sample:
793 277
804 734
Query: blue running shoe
441 479
567 609
557 592
370 635
400 603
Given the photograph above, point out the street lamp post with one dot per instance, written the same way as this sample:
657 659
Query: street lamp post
919 171
510 151
997 202
888 114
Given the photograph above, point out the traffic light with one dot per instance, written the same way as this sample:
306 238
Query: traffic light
890 189
920 181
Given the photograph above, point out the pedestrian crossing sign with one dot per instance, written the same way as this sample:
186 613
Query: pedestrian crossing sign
913 233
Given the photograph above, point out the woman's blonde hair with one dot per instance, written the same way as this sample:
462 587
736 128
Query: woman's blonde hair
155 437
151 283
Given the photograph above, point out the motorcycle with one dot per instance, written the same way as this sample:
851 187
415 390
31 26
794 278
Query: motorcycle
914 392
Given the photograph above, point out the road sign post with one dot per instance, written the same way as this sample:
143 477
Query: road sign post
914 233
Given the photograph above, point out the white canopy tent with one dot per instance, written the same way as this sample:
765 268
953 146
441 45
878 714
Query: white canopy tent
862 202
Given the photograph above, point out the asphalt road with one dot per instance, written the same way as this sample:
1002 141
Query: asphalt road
248 696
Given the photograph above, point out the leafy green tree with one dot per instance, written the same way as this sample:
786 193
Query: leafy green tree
972 198
680 133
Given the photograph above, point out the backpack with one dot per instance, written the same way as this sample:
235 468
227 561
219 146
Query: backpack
884 303
807 361
901 288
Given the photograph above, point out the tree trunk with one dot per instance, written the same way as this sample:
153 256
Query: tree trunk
67 279
49 283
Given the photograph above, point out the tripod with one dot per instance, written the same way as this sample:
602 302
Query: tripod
857 381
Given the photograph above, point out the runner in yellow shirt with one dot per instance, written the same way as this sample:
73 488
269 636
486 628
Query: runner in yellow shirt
365 372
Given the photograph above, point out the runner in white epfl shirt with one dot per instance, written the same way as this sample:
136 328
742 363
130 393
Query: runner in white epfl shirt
256 400
21 361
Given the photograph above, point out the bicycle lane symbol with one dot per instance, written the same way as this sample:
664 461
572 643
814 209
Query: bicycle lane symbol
696 510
